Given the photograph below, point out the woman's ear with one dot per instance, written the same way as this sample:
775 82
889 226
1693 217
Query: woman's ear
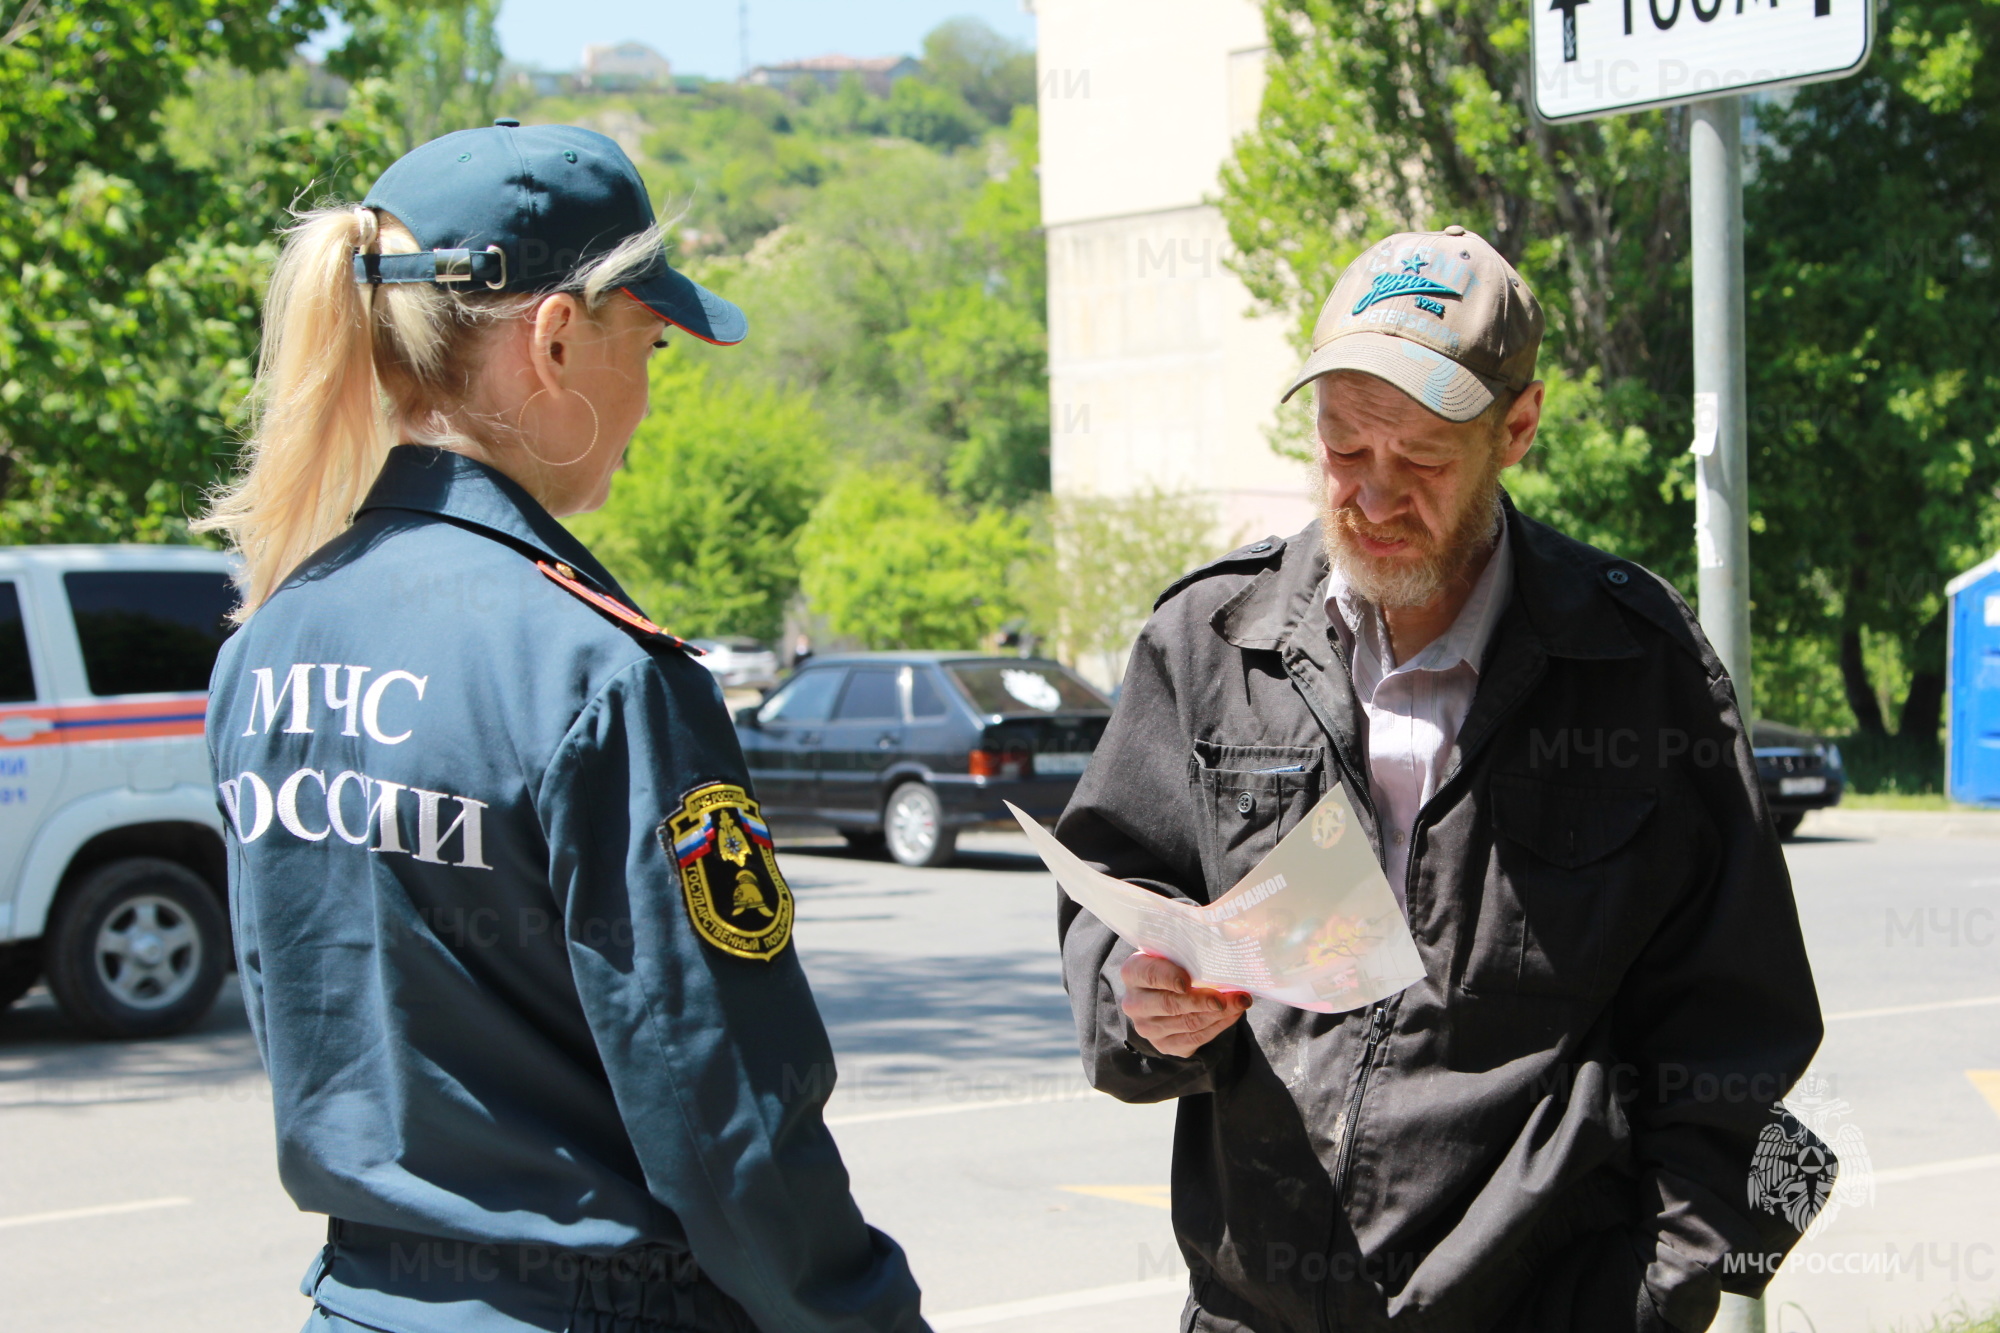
556 321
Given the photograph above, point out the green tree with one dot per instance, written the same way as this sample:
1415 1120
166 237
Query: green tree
994 75
891 564
441 59
702 525
128 280
1112 556
929 114
1870 249
974 358
226 108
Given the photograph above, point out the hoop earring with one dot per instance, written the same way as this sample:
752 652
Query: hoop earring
523 435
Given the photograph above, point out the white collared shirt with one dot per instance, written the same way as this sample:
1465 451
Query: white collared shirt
1414 711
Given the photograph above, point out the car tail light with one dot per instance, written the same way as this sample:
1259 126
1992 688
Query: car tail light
1007 765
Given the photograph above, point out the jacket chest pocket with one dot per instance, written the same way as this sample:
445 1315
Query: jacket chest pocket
1248 797
1562 858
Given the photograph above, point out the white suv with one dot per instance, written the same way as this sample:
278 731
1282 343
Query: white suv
112 879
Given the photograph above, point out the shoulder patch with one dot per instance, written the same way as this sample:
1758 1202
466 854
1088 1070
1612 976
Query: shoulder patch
1267 551
565 577
736 896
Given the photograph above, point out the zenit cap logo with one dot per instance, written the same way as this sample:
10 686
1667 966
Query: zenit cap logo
721 847
1410 281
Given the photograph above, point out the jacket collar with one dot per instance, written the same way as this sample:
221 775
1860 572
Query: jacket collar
427 480
1557 602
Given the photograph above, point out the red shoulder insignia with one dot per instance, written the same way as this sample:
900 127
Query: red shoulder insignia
610 606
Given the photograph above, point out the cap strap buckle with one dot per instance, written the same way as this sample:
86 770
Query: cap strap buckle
443 267
457 265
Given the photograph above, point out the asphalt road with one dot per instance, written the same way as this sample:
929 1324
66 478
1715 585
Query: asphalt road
138 1192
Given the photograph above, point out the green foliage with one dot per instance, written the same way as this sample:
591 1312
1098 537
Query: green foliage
930 115
1880 765
988 72
128 279
1112 557
907 295
703 522
226 108
441 59
974 358
82 83
1872 262
892 565
1584 473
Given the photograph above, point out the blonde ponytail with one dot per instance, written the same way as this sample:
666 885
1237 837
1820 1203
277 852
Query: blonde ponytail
321 432
350 370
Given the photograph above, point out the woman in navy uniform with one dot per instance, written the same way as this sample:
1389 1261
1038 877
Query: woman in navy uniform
515 945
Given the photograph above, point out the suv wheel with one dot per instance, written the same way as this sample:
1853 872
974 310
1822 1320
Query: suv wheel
136 949
915 829
1788 823
20 969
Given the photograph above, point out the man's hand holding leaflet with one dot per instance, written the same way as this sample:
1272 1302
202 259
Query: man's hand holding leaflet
1314 925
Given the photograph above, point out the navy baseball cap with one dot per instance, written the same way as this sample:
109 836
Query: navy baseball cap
526 208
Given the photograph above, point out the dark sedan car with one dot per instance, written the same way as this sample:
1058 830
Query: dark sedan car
908 749
1798 772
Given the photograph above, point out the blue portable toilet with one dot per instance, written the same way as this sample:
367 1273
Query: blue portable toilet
1974 654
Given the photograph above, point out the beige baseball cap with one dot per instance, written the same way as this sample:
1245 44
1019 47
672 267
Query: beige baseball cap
1438 314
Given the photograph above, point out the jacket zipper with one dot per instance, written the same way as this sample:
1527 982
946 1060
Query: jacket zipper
1343 1141
1343 1130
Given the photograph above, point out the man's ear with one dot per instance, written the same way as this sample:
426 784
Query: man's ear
556 321
1524 418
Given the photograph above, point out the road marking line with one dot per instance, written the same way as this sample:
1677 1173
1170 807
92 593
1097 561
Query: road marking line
953 1108
1928 1169
1988 1083
1149 1196
980 1316
1894 1009
95 1210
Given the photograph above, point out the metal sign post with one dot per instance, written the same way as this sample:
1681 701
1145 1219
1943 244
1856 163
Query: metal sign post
1609 57
1721 415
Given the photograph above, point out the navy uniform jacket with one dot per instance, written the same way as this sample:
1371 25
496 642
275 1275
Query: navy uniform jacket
513 943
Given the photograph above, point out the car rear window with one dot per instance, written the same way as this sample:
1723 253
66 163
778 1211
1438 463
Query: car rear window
807 698
150 631
871 697
17 676
1038 687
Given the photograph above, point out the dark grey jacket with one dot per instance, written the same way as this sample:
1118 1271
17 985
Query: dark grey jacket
1555 1129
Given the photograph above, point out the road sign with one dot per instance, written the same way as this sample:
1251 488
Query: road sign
1600 57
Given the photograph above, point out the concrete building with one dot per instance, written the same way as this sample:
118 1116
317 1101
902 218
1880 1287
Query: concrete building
1159 376
877 75
624 65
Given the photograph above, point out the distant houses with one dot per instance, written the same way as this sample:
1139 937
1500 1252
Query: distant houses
877 75
615 67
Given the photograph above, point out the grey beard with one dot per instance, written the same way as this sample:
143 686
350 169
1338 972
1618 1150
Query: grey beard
1398 586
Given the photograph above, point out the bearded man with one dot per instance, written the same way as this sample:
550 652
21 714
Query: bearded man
1555 1128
